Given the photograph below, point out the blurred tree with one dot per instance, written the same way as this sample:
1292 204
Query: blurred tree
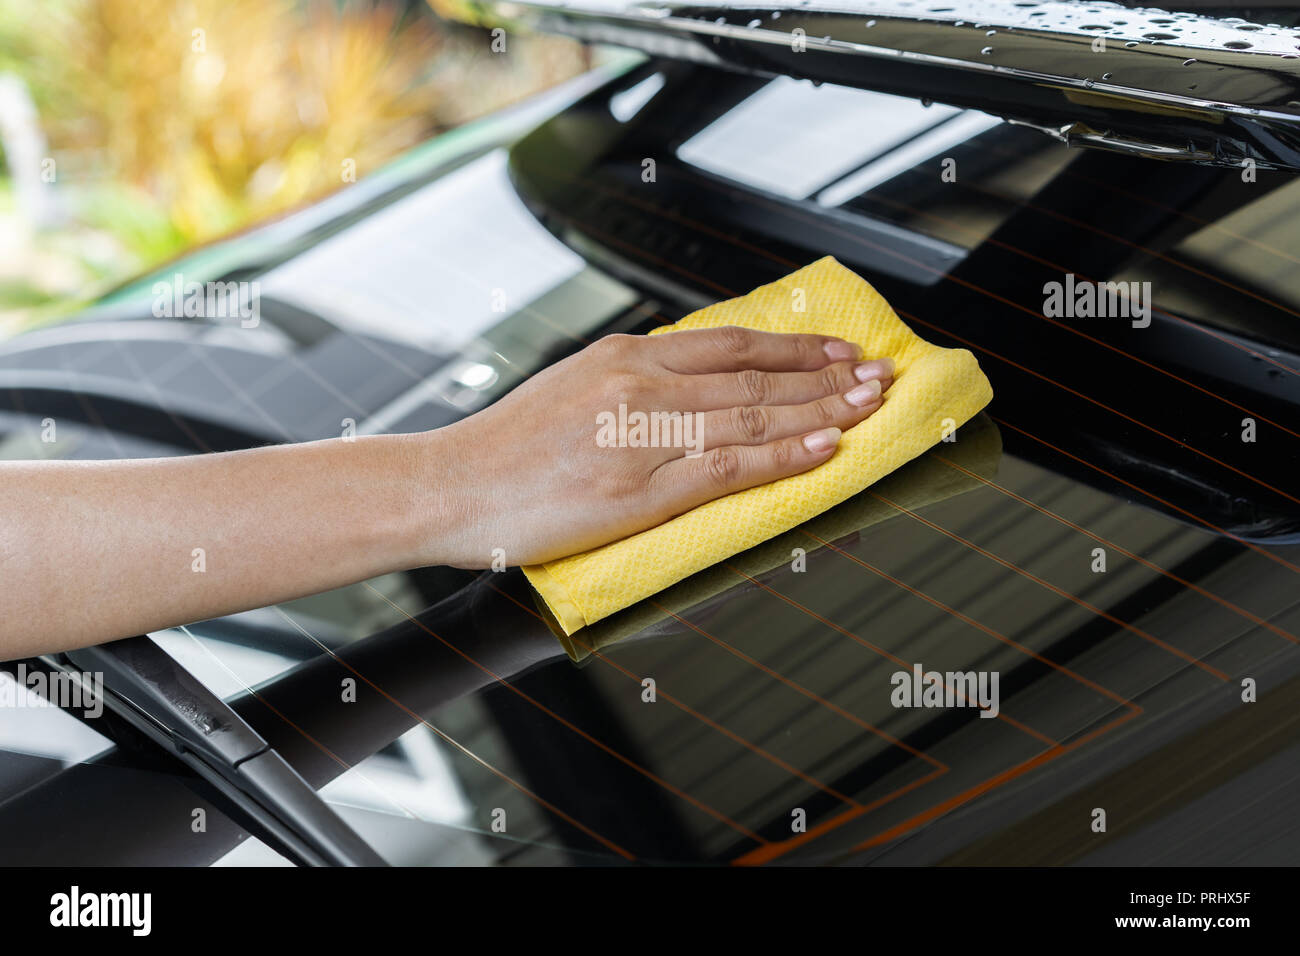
175 121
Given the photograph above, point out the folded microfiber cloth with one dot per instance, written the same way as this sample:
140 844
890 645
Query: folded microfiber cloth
934 388
937 475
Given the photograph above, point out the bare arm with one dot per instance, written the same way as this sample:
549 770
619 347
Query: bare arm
93 551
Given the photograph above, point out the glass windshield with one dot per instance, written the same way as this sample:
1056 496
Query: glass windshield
440 715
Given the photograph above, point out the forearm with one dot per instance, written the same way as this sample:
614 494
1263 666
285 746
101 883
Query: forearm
94 551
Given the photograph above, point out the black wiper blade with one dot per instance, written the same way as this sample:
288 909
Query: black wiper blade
143 685
1164 85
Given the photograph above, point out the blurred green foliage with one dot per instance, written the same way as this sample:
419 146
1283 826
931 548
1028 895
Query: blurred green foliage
172 122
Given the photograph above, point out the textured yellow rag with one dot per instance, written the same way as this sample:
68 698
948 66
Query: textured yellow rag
934 391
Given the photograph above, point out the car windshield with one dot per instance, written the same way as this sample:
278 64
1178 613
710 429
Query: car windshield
1087 538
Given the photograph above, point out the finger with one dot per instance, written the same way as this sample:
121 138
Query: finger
760 424
731 348
688 482
717 390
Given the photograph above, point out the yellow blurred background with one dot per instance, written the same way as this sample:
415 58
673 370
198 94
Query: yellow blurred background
131 130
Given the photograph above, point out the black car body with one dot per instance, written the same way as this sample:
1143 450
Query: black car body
1118 536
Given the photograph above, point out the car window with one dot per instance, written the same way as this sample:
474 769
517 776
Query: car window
475 738
480 254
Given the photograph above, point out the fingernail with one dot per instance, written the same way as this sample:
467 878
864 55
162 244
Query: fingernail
821 441
838 351
876 368
863 394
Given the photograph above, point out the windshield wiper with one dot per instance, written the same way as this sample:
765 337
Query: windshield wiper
144 686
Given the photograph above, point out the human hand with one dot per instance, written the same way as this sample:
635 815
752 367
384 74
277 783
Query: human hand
564 463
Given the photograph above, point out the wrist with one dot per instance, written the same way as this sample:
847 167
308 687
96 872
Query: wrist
439 512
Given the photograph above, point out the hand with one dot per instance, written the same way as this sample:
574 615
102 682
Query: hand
559 466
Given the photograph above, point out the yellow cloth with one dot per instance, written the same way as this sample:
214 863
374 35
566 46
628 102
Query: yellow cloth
933 388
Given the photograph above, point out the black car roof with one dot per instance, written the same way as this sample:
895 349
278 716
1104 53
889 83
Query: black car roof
1169 85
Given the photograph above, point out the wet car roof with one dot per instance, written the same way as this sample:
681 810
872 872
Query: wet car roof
1167 85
